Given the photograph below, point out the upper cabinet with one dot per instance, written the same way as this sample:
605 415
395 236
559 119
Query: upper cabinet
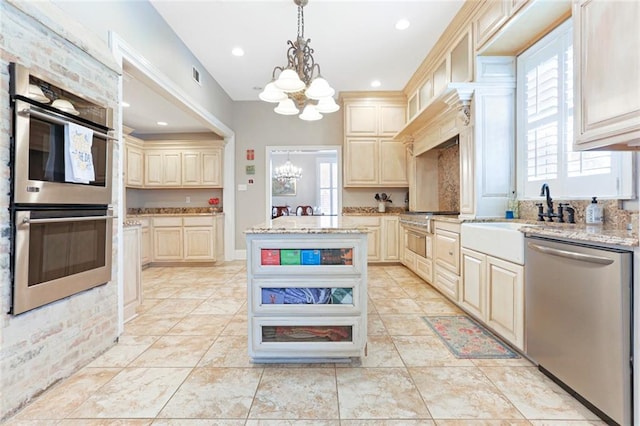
492 16
377 117
607 69
371 157
173 164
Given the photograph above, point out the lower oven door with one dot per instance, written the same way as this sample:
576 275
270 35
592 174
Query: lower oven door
58 253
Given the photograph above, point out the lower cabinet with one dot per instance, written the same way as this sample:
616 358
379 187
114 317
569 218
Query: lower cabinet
493 291
132 287
383 242
145 242
447 259
198 238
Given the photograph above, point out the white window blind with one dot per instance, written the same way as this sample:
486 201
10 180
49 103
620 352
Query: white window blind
545 129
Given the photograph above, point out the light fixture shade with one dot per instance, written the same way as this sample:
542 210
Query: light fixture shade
287 172
272 94
319 88
310 113
286 107
288 81
327 105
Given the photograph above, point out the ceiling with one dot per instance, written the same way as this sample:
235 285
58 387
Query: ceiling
354 41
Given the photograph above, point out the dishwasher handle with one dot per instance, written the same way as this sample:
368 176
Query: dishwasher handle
571 254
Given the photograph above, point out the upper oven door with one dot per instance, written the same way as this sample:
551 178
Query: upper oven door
39 162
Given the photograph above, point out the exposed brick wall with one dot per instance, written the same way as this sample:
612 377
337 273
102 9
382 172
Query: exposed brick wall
42 346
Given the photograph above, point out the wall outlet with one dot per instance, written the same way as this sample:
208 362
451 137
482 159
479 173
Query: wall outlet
188 200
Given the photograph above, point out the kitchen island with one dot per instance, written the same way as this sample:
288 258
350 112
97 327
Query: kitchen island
307 289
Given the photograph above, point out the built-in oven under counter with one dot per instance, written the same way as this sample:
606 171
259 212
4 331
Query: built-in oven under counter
417 248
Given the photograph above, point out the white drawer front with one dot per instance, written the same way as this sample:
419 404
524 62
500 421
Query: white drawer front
198 220
167 221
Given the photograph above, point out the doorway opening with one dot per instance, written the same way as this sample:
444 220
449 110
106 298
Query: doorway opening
319 185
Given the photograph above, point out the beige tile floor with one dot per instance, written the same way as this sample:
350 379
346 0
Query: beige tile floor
183 361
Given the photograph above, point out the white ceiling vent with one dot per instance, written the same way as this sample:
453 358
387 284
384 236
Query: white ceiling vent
196 75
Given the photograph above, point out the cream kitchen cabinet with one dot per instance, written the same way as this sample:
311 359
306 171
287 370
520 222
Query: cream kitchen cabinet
202 168
490 19
447 258
607 70
145 241
199 238
132 288
373 117
167 239
375 162
134 176
162 168
383 237
492 290
190 238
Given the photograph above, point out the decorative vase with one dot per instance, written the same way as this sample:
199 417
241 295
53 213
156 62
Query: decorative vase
382 207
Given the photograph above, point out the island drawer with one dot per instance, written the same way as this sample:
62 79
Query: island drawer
331 257
315 337
321 296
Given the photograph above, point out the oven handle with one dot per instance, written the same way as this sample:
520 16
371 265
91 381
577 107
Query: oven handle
572 255
28 221
56 120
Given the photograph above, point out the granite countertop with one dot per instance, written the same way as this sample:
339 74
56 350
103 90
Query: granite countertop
308 225
173 211
130 223
583 233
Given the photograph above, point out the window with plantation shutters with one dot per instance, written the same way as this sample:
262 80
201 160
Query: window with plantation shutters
545 129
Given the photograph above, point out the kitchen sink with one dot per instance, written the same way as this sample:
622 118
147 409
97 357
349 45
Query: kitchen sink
499 239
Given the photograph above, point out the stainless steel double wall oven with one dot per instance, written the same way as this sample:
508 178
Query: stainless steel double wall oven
61 227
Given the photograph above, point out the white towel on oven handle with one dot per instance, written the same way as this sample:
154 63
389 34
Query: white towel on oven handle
77 154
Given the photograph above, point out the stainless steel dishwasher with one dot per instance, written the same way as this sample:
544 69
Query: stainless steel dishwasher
578 312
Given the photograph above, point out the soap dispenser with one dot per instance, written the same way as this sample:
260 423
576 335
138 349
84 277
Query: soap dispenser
594 214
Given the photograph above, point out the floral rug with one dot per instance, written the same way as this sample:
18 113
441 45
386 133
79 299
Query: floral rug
467 339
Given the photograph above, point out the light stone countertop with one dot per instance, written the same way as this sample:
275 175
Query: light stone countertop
584 233
308 225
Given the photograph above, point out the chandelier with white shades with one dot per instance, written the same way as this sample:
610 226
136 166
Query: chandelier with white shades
299 84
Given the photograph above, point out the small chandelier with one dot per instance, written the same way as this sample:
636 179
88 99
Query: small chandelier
299 84
287 172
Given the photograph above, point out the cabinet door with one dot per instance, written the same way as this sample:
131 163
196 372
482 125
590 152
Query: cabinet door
167 243
505 300
145 245
391 119
153 168
199 243
461 58
473 288
490 19
424 268
390 242
191 169
172 169
135 167
373 244
132 290
393 163
212 168
607 65
361 162
361 120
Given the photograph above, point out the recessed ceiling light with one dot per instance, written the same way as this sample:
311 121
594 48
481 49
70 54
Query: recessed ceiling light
402 24
162 123
237 51
376 83
125 104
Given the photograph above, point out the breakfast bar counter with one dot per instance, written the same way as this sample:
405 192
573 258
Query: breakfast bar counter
307 289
